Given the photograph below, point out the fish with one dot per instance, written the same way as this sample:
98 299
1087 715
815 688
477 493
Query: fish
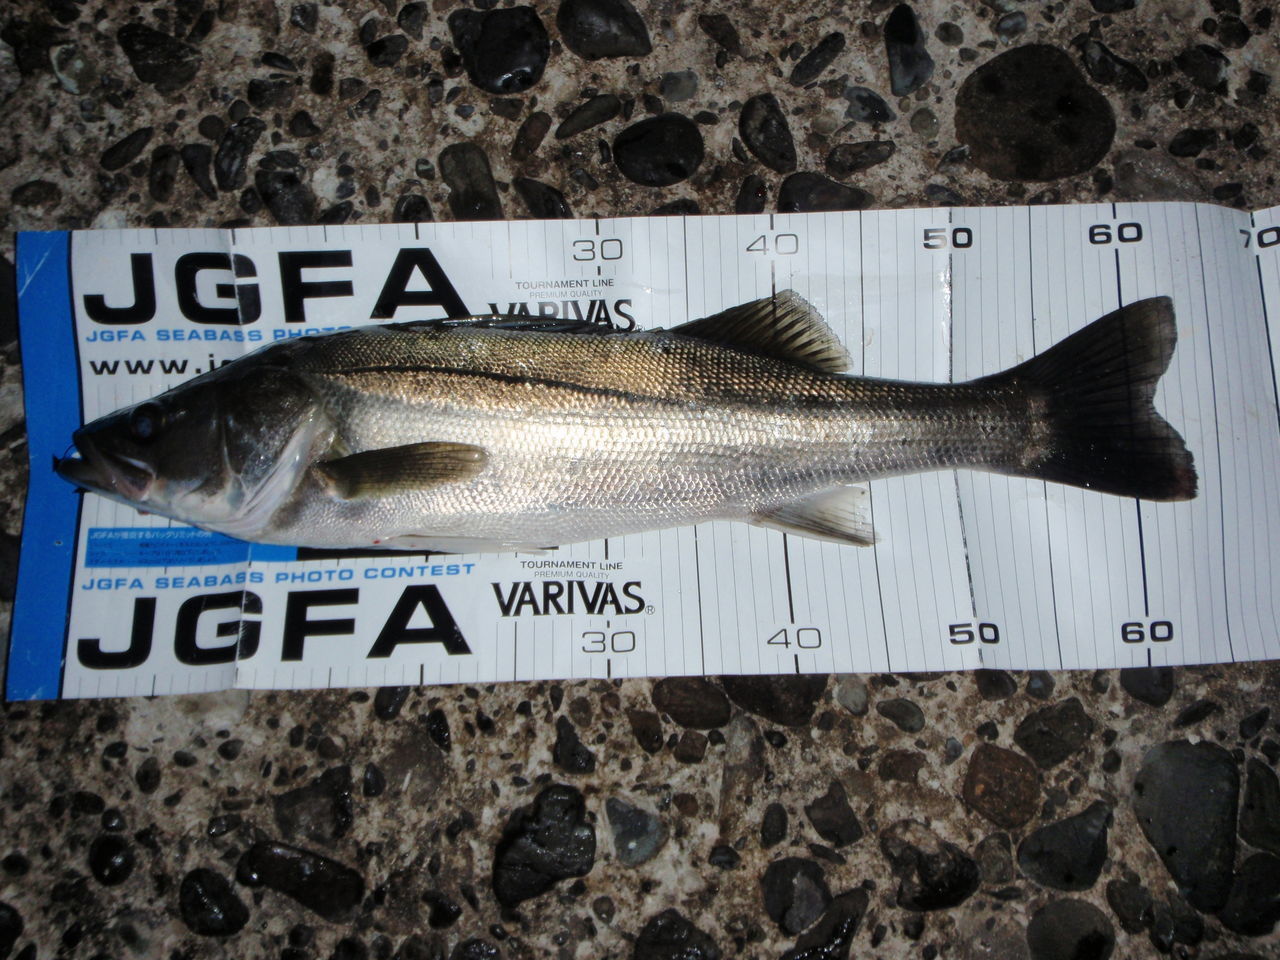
506 433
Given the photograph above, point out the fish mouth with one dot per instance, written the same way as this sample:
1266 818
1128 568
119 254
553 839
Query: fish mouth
110 473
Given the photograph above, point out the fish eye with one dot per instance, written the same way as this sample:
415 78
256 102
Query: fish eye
146 422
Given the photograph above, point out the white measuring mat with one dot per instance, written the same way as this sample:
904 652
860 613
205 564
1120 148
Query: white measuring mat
971 569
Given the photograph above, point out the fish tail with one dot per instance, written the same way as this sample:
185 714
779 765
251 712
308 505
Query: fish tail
1093 420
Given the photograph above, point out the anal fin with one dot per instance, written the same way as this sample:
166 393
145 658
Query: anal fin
414 466
839 515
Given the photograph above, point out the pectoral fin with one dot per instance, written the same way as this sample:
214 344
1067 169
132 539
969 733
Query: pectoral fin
842 515
415 466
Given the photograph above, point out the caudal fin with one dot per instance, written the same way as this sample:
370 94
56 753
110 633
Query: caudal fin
1091 397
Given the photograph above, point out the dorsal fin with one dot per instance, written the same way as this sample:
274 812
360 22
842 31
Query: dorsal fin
784 326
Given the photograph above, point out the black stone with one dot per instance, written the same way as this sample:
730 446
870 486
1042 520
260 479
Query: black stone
1113 6
833 818
1029 114
867 106
669 936
322 811
638 835
473 195
1260 809
438 729
846 159
764 130
788 701
1069 854
1151 685
1051 734
475 949
995 684
441 911
123 152
165 62
1205 66
209 906
530 135
795 893
1131 903
111 859
290 200
232 155
1174 921
1185 802
811 65
1252 725
31 41
724 856
413 947
568 752
196 160
387 51
693 702
646 727
678 86
593 112
752 195
388 701
596 29
720 28
901 712
1195 712
831 937
10 928
264 94
8 334
659 151
680 207
934 874
504 50
163 173
1105 67
1070 930
324 886
147 776
373 782
547 841
910 66
304 16
1253 905
773 827
412 18
543 201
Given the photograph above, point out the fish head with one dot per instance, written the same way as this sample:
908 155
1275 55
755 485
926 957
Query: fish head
210 452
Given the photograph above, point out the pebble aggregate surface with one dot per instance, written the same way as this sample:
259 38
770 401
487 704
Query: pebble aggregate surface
993 814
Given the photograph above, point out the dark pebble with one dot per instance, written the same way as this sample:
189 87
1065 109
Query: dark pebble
910 65
995 684
593 112
157 58
1205 66
388 701
1029 114
1253 905
833 818
386 51
1113 6
1070 930
720 28
304 16
1195 712
441 911
1002 785
11 927
1151 685
473 195
123 152
290 200
752 195
902 766
724 856
373 782
596 29
1069 854
763 128
324 886
530 135
232 155
1105 67
1131 904
111 859
867 106
1260 808
693 702
646 727
995 858
1011 26
504 50
669 936
680 207
811 65
795 893
413 947
543 201
659 151
846 159
812 192
1040 684
438 729
830 938
268 95
638 835
475 949
934 874
1051 734
547 841
691 747
209 906
902 713
569 752
1185 802
147 776
773 826
196 160
677 86
788 701
1252 725
36 193
412 18
1191 143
